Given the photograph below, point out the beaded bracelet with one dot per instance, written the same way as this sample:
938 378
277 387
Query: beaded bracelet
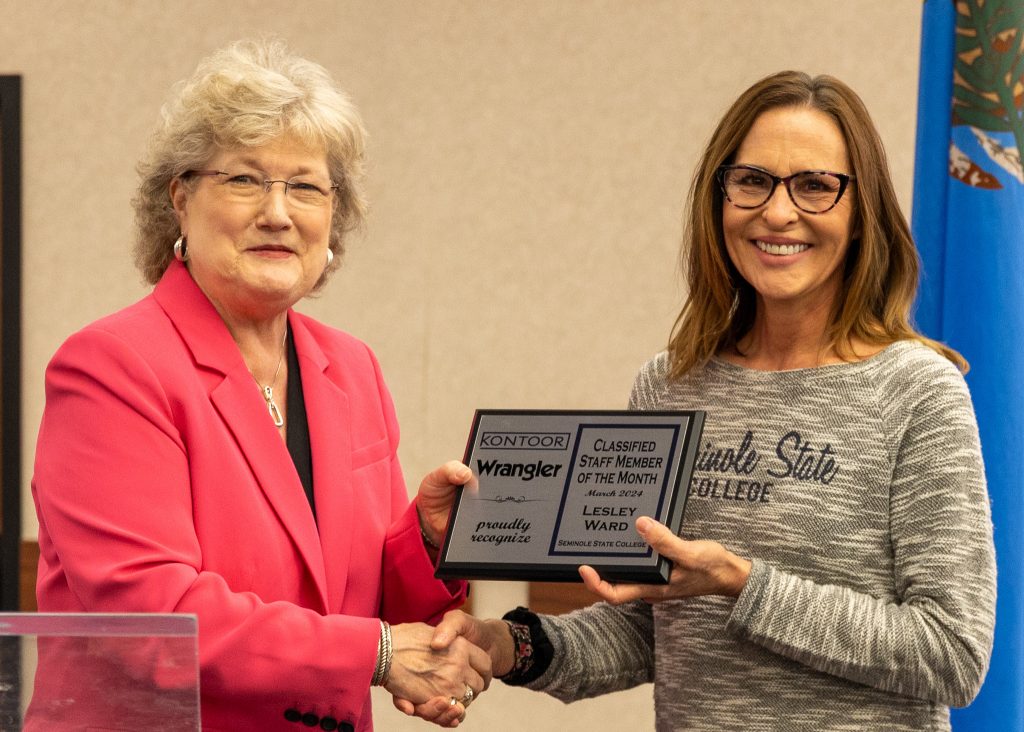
522 649
426 539
532 647
423 532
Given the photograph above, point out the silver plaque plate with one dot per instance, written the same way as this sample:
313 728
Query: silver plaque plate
552 490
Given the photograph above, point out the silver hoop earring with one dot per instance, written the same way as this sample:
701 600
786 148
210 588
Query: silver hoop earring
330 257
181 249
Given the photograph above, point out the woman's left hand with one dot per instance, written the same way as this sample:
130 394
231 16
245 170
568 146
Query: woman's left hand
436 495
698 568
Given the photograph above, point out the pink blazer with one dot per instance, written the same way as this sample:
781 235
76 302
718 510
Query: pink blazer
161 485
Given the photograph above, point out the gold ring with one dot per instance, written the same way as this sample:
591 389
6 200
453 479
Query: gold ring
468 696
452 701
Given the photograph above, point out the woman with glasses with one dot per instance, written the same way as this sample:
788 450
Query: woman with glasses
208 450
835 569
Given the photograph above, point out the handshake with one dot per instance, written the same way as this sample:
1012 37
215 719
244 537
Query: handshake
435 673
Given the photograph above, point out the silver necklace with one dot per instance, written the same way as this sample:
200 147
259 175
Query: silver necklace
268 389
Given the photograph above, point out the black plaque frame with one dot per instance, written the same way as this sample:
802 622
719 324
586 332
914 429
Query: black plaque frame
10 340
567 571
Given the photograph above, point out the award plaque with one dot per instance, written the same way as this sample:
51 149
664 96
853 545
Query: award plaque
552 490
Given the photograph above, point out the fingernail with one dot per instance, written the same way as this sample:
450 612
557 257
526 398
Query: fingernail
463 473
644 524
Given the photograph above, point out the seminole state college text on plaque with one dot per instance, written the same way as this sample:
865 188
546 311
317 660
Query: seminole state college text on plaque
552 490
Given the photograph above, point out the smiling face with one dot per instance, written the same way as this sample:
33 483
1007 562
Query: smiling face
255 259
791 258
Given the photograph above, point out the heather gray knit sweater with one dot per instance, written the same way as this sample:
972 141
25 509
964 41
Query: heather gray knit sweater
859 494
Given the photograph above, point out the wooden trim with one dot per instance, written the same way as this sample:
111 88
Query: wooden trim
29 566
557 598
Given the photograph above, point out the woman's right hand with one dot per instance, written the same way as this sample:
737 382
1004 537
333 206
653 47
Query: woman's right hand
487 636
492 636
423 673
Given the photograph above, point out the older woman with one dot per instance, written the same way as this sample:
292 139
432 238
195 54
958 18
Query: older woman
209 450
855 588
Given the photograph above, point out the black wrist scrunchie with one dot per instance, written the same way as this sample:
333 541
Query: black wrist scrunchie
533 649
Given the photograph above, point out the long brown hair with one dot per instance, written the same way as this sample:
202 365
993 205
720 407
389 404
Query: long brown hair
880 277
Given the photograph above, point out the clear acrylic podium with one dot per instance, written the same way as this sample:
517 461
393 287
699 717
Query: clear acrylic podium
98 672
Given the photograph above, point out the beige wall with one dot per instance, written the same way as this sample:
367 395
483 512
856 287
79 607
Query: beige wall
528 165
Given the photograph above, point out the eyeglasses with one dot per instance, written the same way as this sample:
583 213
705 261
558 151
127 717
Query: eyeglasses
812 191
250 188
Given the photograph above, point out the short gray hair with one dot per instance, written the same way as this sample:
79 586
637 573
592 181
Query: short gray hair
245 95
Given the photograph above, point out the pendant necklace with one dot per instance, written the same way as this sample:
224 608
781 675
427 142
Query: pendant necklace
268 389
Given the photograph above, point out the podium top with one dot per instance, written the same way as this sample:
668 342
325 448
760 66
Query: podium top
100 625
99 671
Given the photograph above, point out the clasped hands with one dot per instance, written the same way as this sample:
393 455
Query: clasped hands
436 682
700 567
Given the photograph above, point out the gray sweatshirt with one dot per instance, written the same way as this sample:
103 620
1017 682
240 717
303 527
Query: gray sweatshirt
858 492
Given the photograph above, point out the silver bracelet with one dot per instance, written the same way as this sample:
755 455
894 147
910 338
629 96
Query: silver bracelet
389 652
385 651
423 532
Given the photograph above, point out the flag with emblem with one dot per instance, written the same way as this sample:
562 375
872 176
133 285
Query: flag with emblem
968 222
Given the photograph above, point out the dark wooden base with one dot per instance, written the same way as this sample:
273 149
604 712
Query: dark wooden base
556 598
27 586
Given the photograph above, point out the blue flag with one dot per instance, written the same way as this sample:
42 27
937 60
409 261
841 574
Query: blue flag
969 228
